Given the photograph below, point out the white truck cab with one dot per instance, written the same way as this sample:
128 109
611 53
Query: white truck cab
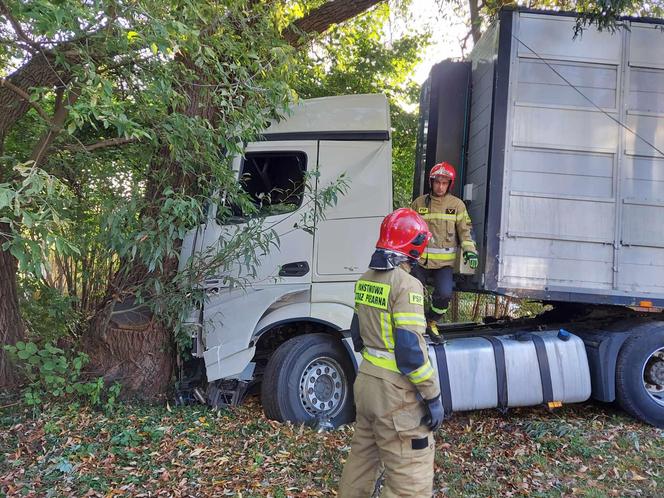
304 288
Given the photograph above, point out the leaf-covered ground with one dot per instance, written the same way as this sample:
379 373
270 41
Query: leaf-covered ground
587 450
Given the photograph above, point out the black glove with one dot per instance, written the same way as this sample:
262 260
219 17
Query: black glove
435 413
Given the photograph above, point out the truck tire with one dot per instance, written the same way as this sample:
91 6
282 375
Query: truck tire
640 374
306 377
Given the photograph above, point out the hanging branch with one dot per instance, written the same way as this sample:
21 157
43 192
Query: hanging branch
320 19
25 96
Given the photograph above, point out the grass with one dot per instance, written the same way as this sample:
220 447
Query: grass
66 450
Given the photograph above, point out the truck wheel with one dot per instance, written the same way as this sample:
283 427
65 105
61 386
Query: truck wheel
640 375
306 377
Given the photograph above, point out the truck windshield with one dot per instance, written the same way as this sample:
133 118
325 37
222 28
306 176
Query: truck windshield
274 182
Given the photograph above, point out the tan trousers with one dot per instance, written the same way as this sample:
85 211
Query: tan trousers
388 434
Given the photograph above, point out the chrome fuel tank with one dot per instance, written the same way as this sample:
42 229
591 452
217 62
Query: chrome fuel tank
524 369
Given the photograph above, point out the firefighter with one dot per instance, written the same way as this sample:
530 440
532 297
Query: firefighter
397 396
450 224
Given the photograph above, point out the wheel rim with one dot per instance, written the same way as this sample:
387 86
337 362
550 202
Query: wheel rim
323 387
653 376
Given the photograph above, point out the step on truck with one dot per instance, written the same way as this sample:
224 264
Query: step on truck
558 143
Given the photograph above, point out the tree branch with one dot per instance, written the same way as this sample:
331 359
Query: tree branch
464 41
320 19
111 142
4 10
62 107
25 96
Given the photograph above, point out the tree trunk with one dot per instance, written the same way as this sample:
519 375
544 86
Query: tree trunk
11 325
38 72
475 20
127 344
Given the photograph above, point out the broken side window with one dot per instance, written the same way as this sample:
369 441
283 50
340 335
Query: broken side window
274 181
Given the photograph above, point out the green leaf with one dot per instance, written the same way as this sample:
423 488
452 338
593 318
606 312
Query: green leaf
28 220
6 197
23 354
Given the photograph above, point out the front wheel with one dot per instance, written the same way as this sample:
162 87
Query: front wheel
640 375
307 377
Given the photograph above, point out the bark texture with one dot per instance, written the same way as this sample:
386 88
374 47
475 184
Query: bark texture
130 346
38 72
11 325
320 19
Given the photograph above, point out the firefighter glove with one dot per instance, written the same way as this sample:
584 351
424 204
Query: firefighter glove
434 333
471 258
435 413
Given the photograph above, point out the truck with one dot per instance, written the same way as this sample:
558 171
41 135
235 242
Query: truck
558 143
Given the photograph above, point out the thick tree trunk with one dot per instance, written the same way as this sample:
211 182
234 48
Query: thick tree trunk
475 20
127 344
38 72
11 325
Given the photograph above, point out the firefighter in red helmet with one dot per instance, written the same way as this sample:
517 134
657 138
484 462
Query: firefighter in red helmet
397 396
448 219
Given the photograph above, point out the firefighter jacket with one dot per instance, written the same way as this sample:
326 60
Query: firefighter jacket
450 225
389 307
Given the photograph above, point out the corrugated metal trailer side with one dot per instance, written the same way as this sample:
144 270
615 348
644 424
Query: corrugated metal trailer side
564 155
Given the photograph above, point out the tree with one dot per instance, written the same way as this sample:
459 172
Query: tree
357 58
181 84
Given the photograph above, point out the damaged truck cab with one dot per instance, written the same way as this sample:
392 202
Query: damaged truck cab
288 326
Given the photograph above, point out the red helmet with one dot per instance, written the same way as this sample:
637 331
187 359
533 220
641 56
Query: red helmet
446 170
404 231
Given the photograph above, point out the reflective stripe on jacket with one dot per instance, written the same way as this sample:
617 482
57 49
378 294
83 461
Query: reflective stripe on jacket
390 310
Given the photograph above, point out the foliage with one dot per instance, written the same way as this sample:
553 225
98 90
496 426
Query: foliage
357 58
582 450
157 98
52 373
48 313
475 307
235 257
34 206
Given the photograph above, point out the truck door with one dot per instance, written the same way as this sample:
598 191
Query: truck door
274 175
347 235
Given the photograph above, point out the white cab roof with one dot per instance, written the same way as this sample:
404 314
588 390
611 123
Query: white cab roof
368 112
